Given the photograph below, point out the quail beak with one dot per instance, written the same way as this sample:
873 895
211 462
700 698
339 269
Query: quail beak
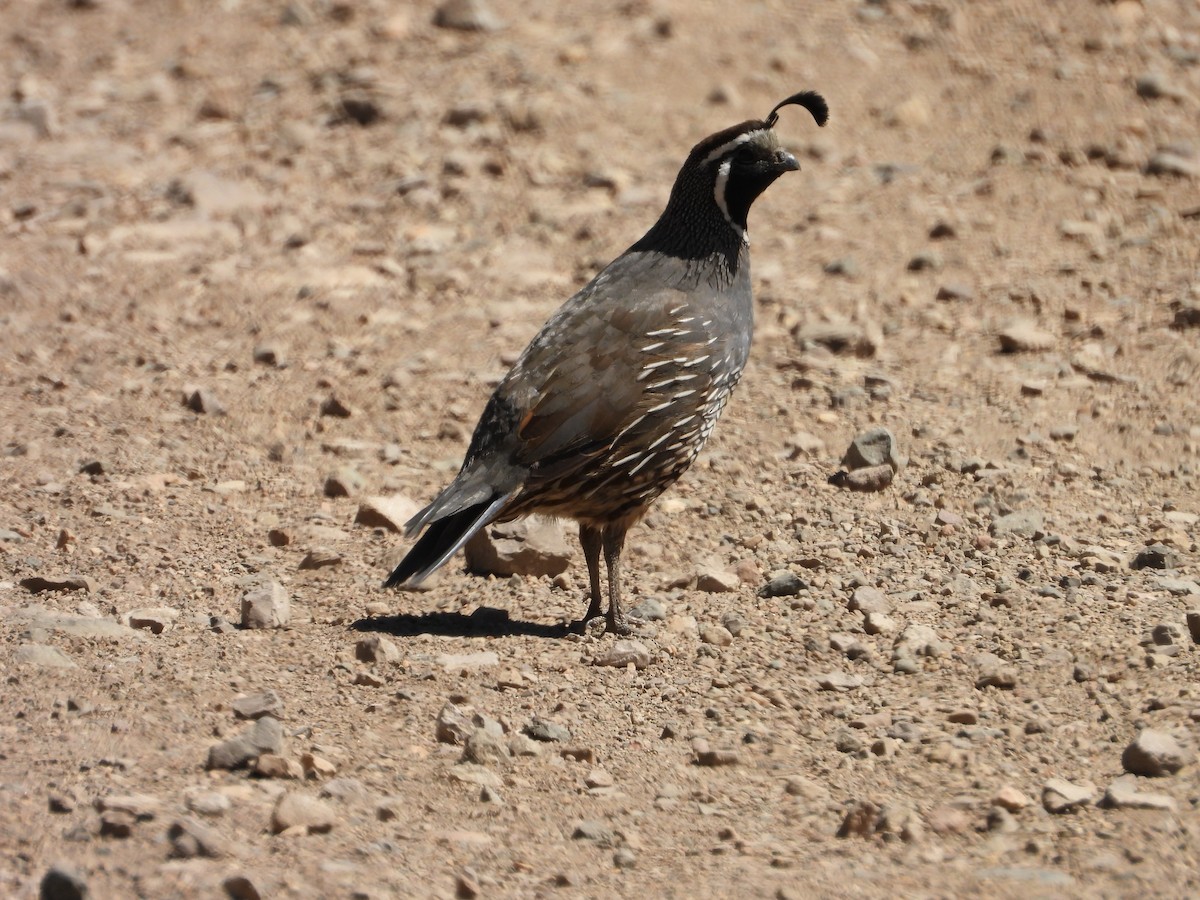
785 162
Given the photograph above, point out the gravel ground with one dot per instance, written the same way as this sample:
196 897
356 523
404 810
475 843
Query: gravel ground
261 263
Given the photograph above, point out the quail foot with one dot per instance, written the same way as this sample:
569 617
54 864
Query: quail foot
612 400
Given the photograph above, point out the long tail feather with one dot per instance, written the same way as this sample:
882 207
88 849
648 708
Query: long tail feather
442 540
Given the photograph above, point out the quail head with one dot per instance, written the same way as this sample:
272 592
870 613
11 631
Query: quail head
612 400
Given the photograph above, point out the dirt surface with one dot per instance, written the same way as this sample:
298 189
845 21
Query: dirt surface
247 246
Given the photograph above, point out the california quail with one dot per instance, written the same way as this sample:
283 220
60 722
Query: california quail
614 397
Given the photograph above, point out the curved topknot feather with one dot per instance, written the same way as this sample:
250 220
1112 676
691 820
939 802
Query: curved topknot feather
810 100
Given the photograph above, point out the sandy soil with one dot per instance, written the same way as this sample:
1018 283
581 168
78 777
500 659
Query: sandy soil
257 253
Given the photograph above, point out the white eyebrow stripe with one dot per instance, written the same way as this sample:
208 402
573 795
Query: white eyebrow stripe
730 145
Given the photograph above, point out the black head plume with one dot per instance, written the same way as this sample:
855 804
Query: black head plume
810 100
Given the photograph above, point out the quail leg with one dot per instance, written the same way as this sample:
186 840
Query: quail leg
590 539
614 542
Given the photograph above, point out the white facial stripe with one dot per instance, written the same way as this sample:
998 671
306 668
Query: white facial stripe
719 190
730 145
719 196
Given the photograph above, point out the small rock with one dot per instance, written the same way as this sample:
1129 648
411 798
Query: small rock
534 546
1164 634
43 656
92 467
1024 336
925 262
915 641
241 887
390 513
347 481
454 723
153 619
117 824
389 809
376 649
915 112
869 599
710 758
900 820
1061 796
344 790
947 818
596 832
1155 556
264 736
466 886
1193 624
1155 754
1123 793
1064 432
266 606
1023 522
839 681
1001 821
316 766
716 635
879 623
297 810
37 584
484 748
804 443
272 765
480 659
864 481
648 609
142 807
255 706
842 338
598 778
848 645
713 580
943 230
782 584
860 820
955 292
333 407
523 745
544 730
270 355
846 266
320 558
466 15
1180 587
871 448
622 653
1011 799
624 858
61 882
204 402
806 789
994 672
208 803
189 839
1157 86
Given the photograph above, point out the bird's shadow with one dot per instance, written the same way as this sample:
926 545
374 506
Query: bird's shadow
486 621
